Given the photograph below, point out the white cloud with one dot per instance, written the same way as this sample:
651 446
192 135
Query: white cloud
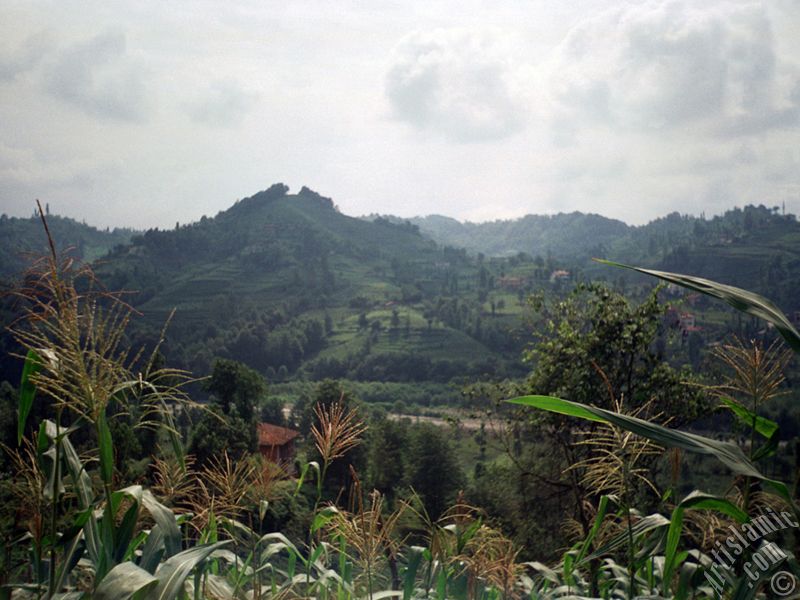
669 65
100 77
461 83
223 103
25 56
631 109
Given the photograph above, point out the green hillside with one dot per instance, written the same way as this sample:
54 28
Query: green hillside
568 236
754 247
22 238
289 285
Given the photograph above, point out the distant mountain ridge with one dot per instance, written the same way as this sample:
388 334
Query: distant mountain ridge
567 235
289 285
755 247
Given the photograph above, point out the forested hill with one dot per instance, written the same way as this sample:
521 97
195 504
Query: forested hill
22 238
285 282
573 235
755 247
578 235
288 285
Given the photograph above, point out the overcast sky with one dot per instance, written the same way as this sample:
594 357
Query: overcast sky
149 112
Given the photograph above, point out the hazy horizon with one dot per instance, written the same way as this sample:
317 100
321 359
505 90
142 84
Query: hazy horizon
144 114
84 219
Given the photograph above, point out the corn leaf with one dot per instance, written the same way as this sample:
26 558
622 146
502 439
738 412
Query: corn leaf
763 426
740 299
726 452
164 517
153 550
642 526
106 447
602 509
694 501
410 572
123 582
27 391
172 574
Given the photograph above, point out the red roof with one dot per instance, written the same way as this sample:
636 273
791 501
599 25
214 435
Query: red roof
272 435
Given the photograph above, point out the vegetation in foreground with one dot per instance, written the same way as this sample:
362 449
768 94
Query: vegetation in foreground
202 531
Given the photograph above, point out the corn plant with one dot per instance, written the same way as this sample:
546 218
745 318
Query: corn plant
759 382
76 361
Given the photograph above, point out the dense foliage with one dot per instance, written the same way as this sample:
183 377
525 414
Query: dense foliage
343 328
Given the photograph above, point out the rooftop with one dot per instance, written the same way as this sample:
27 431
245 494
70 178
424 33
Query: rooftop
273 435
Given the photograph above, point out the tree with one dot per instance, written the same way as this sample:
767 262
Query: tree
230 425
695 345
236 385
386 445
432 468
596 344
594 347
272 412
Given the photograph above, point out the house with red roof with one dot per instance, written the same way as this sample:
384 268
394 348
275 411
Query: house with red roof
276 443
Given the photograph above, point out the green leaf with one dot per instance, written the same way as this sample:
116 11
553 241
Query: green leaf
694 501
124 533
304 472
602 509
153 550
728 453
323 517
106 447
441 585
82 486
172 574
769 448
763 426
175 439
738 298
27 391
210 533
557 405
642 526
123 581
72 554
410 573
164 517
281 542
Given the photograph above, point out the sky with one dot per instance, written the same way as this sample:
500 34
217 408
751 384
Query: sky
147 113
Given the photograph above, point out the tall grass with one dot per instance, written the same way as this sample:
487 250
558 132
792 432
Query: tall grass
194 534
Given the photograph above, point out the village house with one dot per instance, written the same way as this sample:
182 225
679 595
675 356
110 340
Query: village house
511 283
276 443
